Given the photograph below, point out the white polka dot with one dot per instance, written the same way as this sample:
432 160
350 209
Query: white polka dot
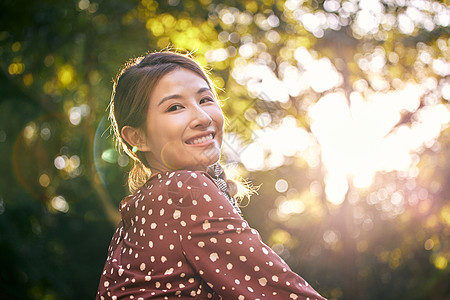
243 258
237 281
193 217
206 225
168 271
228 240
179 184
262 281
163 259
293 296
176 214
213 257
142 267
120 271
148 278
194 175
207 198
201 244
161 212
275 278
213 240
229 266
153 225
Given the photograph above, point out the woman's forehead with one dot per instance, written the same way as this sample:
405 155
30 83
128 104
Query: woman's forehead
184 76
178 82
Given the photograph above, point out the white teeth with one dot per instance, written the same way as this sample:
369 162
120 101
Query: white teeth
201 140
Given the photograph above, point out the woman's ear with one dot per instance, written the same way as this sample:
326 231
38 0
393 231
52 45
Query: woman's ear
135 137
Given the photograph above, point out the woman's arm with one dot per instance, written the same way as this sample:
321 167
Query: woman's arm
226 252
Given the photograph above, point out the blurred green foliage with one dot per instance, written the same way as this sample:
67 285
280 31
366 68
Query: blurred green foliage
62 180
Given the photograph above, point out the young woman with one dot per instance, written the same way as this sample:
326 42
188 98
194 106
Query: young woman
181 235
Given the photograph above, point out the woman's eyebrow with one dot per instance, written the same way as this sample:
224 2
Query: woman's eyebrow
177 96
174 96
204 89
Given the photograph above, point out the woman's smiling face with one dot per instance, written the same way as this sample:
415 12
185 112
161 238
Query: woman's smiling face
184 123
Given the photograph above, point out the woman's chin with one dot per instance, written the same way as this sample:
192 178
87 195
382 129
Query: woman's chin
191 160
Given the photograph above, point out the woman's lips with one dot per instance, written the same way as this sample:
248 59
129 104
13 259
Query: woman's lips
202 140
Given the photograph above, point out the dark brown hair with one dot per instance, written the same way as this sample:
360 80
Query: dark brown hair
131 95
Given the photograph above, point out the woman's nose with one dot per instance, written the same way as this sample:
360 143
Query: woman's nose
200 117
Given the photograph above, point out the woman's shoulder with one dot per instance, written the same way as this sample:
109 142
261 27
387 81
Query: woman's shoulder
178 187
167 179
179 183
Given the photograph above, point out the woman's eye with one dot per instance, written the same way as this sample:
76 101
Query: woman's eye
206 99
174 107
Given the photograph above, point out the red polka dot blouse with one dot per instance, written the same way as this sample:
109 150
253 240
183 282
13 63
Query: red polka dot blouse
180 238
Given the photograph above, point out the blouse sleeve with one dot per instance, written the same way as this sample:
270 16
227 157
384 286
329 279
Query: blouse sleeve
225 251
